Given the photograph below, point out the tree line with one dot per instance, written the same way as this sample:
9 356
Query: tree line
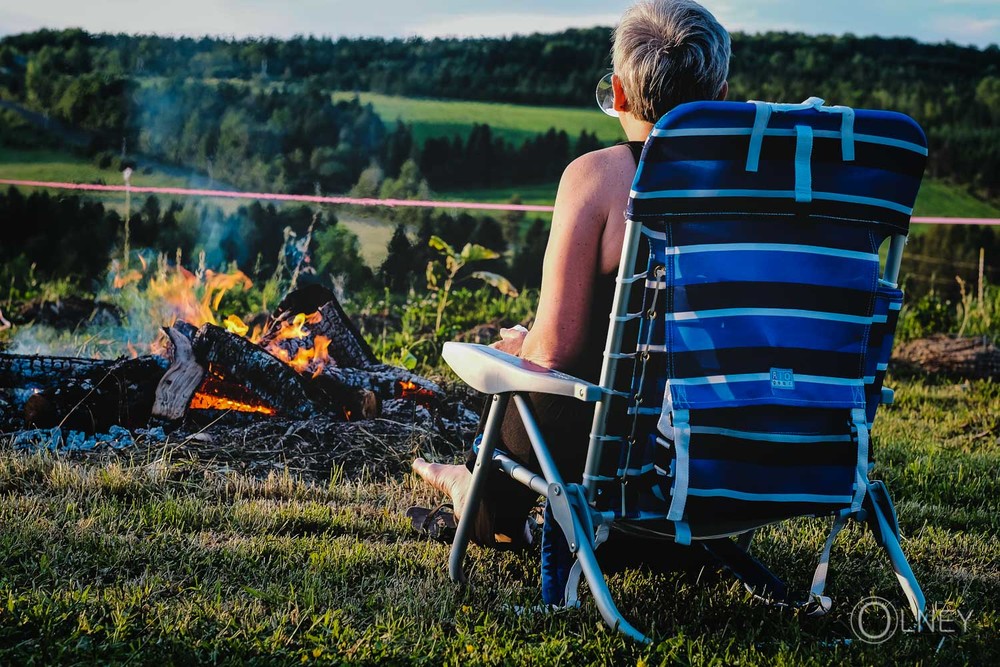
91 80
75 238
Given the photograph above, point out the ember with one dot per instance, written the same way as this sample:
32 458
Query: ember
307 361
311 358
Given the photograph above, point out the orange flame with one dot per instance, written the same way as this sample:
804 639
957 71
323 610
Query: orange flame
174 293
235 325
217 394
305 359
209 402
411 390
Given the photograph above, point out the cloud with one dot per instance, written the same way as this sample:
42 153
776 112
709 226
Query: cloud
969 29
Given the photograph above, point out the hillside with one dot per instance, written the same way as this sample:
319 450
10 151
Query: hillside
513 122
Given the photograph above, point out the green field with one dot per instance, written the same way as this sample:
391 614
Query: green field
514 122
62 166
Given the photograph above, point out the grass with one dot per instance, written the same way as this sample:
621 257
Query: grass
165 561
63 166
514 122
939 198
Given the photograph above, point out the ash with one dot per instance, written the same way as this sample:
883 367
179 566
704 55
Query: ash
315 449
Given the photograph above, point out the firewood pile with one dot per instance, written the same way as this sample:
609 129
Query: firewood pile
305 388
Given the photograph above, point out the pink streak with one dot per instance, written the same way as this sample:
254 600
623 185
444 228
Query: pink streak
355 201
311 199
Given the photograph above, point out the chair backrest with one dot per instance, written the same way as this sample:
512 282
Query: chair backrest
746 352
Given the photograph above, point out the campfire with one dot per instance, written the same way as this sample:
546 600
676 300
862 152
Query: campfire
305 360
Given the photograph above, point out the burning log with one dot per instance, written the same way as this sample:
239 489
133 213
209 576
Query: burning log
327 321
119 394
179 383
311 362
237 359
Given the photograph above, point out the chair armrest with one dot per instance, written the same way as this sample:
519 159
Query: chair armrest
494 372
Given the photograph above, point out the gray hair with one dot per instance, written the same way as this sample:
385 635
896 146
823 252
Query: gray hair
667 52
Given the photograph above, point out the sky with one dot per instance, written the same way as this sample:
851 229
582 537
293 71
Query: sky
974 22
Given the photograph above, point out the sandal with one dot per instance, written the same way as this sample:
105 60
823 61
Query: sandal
437 523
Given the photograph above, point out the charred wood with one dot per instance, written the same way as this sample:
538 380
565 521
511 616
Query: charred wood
173 394
19 371
238 360
122 394
347 347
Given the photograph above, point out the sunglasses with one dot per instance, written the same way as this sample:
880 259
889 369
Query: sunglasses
606 95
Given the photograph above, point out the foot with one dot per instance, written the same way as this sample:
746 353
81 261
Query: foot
453 480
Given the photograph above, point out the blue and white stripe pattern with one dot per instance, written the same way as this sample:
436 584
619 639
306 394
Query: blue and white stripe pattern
763 329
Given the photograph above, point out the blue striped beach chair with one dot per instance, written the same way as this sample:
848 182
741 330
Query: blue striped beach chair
751 329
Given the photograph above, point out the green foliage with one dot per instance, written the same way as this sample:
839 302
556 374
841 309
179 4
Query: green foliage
65 236
402 329
937 255
338 254
978 314
269 140
266 106
442 274
973 313
924 315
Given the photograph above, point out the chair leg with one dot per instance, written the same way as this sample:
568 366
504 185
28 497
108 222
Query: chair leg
583 544
484 463
599 588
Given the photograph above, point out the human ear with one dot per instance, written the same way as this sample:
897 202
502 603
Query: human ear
621 103
723 92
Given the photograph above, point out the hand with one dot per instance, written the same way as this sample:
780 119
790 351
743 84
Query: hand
511 340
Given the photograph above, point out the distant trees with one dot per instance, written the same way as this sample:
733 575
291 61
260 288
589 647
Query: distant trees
165 94
272 140
59 235
484 160
258 113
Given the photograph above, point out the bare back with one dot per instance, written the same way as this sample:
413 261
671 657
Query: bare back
585 242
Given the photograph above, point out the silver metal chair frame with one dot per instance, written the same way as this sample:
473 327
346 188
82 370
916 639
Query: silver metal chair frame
508 378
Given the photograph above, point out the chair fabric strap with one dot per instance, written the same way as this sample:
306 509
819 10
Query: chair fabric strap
819 604
751 572
682 444
762 116
803 166
881 516
846 129
860 420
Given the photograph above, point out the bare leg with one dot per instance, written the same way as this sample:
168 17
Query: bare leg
453 480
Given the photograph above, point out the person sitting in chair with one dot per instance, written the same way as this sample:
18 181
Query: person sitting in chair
665 52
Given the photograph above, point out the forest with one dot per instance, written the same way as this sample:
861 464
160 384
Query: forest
261 114
146 88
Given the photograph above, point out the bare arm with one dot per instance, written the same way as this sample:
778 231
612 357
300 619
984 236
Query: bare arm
570 266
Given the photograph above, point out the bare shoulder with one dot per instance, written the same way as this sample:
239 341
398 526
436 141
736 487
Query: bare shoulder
613 162
597 180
